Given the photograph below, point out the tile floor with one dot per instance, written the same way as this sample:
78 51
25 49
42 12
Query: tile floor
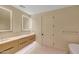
36 48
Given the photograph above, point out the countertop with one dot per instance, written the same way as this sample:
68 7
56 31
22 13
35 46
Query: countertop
4 40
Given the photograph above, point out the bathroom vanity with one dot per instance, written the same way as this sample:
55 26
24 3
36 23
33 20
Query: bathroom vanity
13 44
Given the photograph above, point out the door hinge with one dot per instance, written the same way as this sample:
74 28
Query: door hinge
53 34
53 25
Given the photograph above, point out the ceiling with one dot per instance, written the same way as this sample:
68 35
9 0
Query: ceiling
35 9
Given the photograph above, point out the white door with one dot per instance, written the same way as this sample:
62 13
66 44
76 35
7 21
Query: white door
47 30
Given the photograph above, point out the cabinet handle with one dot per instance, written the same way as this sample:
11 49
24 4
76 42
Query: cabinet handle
7 49
27 41
23 42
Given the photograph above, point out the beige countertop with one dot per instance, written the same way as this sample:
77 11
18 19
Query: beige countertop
4 40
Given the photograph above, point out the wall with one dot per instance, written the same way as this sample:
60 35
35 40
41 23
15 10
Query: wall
66 29
16 18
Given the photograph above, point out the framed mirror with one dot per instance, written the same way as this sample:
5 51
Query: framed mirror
5 19
26 23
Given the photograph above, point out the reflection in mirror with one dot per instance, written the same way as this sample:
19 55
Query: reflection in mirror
26 23
5 19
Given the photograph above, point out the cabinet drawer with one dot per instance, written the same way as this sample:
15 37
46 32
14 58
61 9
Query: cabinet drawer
9 47
25 41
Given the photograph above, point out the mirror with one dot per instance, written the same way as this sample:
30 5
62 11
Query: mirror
26 23
5 19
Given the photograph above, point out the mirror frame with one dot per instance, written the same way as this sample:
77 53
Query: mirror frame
23 24
5 30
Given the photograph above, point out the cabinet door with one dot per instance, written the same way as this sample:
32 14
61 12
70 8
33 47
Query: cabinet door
47 31
9 47
25 41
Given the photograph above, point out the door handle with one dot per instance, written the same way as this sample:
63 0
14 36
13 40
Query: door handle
42 34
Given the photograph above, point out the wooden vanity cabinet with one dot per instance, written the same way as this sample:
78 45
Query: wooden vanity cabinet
9 47
15 45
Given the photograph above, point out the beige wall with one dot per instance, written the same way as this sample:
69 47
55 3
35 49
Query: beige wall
16 18
66 28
